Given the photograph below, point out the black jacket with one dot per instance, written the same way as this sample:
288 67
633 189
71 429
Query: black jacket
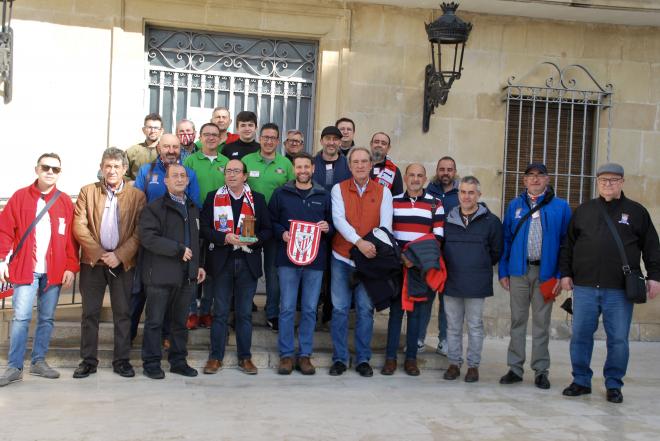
162 237
217 257
589 253
425 256
471 252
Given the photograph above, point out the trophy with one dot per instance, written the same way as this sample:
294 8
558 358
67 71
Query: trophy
247 229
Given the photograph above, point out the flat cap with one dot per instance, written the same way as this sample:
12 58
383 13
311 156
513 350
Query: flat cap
610 167
331 130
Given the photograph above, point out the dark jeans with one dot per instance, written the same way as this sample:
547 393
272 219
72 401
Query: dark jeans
234 281
93 281
160 301
138 299
412 327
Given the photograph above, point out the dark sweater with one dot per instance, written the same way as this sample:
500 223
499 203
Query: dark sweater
238 149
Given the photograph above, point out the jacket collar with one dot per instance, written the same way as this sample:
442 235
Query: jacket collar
290 186
454 216
36 194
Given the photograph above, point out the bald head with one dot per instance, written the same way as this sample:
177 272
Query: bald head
169 148
415 178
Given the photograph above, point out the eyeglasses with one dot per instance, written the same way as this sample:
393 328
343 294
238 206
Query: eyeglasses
211 135
293 141
233 171
609 181
270 138
46 168
152 128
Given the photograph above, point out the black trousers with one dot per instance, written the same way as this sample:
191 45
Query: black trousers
164 301
93 282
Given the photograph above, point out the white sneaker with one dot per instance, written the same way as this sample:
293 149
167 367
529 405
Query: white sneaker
420 346
442 348
11 375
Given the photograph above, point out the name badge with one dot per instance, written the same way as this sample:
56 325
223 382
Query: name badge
61 229
254 174
376 170
328 166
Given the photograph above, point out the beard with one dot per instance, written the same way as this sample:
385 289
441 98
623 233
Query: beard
304 179
378 156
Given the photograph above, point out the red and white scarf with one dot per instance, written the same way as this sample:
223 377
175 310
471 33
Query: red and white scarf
385 175
223 216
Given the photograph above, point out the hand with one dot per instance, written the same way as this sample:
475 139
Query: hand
67 279
325 227
557 288
201 276
110 259
652 288
286 236
233 239
567 283
406 261
4 272
506 283
187 255
366 248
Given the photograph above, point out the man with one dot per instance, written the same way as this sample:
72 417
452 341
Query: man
145 152
531 251
269 170
45 262
385 172
294 144
299 200
443 186
358 205
246 125
185 131
171 270
590 264
221 118
209 166
416 214
346 127
330 167
473 244
235 261
105 226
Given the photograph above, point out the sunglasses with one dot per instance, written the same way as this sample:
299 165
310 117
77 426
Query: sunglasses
47 168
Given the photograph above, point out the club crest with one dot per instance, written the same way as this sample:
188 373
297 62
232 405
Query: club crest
304 241
624 219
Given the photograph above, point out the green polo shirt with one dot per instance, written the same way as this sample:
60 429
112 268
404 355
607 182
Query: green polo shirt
265 177
210 174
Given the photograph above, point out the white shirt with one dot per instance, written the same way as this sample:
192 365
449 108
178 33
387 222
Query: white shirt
42 233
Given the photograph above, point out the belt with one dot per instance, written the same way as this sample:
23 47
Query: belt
534 262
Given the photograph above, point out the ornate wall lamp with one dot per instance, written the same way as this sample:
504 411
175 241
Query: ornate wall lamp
6 41
447 35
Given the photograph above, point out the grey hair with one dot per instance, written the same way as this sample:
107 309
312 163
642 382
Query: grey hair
184 120
359 149
116 154
471 180
295 132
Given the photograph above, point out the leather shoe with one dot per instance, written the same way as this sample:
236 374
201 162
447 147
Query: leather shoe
472 375
286 366
212 366
166 344
575 390
247 367
153 372
84 370
183 369
389 368
510 378
452 372
541 381
410 367
305 366
364 369
614 395
337 368
124 369
192 322
205 321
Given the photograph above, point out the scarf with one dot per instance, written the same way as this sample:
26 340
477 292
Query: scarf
385 176
223 217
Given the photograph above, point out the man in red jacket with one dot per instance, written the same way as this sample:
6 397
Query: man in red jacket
46 262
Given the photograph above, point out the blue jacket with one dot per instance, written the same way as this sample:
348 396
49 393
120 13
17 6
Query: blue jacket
554 222
156 188
286 204
341 171
471 252
449 199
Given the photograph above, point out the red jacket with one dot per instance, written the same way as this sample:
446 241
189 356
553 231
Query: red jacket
62 255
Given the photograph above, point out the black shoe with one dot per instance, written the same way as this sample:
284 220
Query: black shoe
124 369
541 381
184 369
337 368
273 324
364 369
153 372
510 378
575 390
84 370
614 395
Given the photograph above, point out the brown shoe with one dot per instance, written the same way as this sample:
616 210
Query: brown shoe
305 366
286 366
212 366
247 366
472 375
389 368
410 366
452 373
166 344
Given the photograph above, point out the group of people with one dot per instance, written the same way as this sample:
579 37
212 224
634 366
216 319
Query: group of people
182 228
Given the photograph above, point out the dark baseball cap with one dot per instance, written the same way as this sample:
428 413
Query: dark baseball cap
537 166
331 130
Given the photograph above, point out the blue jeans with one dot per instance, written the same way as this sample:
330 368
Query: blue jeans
235 280
290 280
205 301
588 304
272 284
412 328
342 294
425 318
22 301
